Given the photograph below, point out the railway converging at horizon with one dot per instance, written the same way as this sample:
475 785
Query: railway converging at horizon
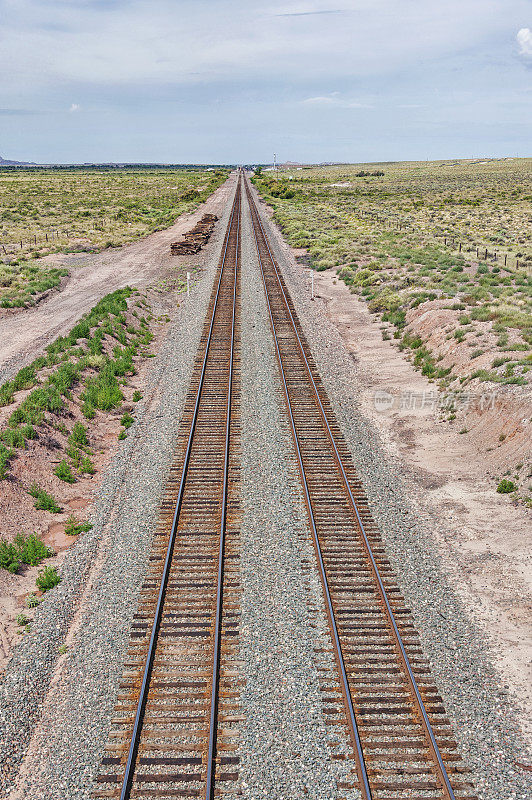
175 730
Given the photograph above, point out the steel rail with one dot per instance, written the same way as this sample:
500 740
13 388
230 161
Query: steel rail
141 705
433 745
213 723
353 726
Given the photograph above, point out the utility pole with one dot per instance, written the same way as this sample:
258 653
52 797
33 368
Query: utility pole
275 165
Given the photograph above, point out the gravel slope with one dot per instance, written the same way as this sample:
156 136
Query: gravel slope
104 568
477 703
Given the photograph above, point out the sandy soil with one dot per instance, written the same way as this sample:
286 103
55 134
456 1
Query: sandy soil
24 335
483 535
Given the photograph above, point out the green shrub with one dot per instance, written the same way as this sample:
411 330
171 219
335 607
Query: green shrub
13 437
127 420
31 549
6 393
137 396
74 527
25 378
88 410
78 437
412 342
23 550
74 454
498 362
32 601
29 432
44 501
86 466
64 472
9 557
5 455
505 486
47 579
102 392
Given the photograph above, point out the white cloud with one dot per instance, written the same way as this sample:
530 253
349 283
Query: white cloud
524 40
134 43
74 107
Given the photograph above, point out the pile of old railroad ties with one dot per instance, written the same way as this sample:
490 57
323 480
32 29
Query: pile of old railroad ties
194 240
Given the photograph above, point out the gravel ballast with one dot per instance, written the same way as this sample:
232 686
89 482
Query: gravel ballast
67 701
478 705
286 747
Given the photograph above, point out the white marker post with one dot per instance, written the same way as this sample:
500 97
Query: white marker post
312 284
188 284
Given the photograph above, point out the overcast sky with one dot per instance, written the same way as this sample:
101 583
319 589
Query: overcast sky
236 80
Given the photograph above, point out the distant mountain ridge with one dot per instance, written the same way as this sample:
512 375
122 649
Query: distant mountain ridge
6 162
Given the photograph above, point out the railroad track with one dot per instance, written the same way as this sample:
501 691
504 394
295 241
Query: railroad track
403 743
173 731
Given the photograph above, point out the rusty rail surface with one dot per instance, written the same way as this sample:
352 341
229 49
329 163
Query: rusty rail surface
173 733
403 743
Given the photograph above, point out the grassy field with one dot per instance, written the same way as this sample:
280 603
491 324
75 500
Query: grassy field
451 236
76 210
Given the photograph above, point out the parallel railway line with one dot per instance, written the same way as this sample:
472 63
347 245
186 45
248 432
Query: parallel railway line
175 731
172 733
402 739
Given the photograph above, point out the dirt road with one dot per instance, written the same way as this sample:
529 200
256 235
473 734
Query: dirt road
25 334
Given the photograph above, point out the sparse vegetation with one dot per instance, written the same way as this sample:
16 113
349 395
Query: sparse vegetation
95 359
77 209
505 486
32 601
47 579
74 527
23 550
64 472
78 437
424 236
44 501
21 284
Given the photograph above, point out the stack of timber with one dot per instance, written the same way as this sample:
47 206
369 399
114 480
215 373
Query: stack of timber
193 240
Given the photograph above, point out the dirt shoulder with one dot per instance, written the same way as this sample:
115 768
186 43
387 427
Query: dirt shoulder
25 334
484 537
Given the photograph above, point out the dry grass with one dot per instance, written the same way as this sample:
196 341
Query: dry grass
407 241
84 210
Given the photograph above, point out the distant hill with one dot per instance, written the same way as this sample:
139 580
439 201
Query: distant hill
5 162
